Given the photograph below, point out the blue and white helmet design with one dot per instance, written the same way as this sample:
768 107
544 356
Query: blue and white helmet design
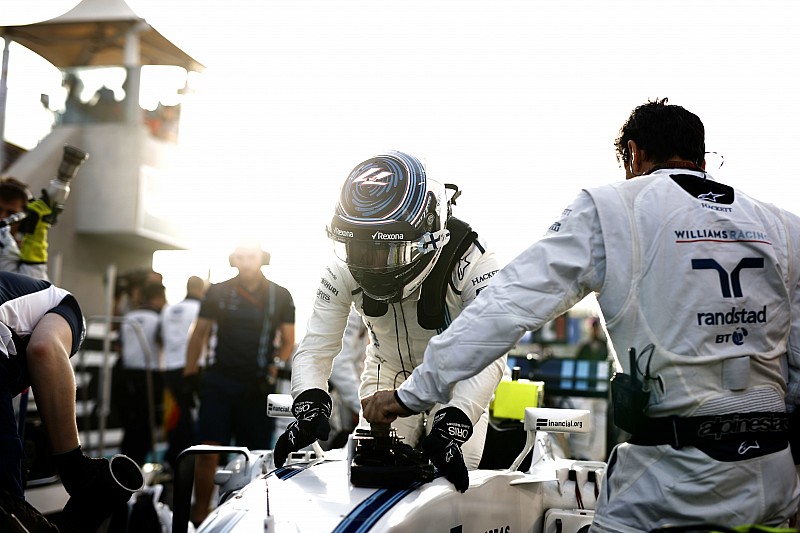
390 225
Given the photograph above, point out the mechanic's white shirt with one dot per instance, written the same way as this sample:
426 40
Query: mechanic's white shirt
389 354
139 340
571 260
177 321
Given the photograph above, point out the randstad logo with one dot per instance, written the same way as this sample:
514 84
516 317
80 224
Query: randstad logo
342 233
387 236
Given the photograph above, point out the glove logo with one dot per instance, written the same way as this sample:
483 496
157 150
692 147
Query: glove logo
459 433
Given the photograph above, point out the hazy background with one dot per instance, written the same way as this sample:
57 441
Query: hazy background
518 103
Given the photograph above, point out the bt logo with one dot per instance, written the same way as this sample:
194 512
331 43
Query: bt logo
737 337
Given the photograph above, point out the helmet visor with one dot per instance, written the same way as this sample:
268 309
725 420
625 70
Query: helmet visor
385 256
380 256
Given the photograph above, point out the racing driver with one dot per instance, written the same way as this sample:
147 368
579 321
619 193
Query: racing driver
408 268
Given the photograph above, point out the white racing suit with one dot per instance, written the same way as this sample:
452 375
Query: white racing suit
397 344
713 286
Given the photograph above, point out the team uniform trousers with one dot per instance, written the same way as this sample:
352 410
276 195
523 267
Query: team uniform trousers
142 383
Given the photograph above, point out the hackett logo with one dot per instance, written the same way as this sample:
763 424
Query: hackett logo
483 277
388 236
342 232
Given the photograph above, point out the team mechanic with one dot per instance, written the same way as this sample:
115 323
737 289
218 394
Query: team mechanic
408 268
702 281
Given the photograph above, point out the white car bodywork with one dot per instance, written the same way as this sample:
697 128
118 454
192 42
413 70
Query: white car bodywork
313 493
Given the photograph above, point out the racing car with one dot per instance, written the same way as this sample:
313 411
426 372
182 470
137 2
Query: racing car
374 484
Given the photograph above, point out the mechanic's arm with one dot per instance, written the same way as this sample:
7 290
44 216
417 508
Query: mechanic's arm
472 396
543 282
197 342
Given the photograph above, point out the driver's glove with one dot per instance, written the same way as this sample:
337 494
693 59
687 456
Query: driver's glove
312 409
451 428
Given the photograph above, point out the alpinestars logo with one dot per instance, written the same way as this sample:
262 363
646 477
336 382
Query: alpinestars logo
463 263
709 197
380 236
746 447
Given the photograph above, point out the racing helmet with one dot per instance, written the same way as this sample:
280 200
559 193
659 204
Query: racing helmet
390 225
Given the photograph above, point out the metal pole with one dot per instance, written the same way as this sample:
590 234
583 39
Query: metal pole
3 99
105 395
56 268
132 62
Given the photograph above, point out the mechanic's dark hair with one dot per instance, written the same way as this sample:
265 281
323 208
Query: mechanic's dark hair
12 189
663 131
152 290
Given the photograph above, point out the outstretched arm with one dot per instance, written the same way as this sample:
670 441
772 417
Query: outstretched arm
541 283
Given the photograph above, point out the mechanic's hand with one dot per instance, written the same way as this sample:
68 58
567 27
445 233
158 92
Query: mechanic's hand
312 409
451 428
35 227
384 407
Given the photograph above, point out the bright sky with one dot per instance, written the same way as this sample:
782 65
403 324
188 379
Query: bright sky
517 102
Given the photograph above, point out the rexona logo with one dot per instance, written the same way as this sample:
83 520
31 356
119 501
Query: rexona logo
342 233
388 236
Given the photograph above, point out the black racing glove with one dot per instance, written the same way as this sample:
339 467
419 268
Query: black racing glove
451 428
312 409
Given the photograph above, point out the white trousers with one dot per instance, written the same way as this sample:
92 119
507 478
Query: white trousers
647 487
